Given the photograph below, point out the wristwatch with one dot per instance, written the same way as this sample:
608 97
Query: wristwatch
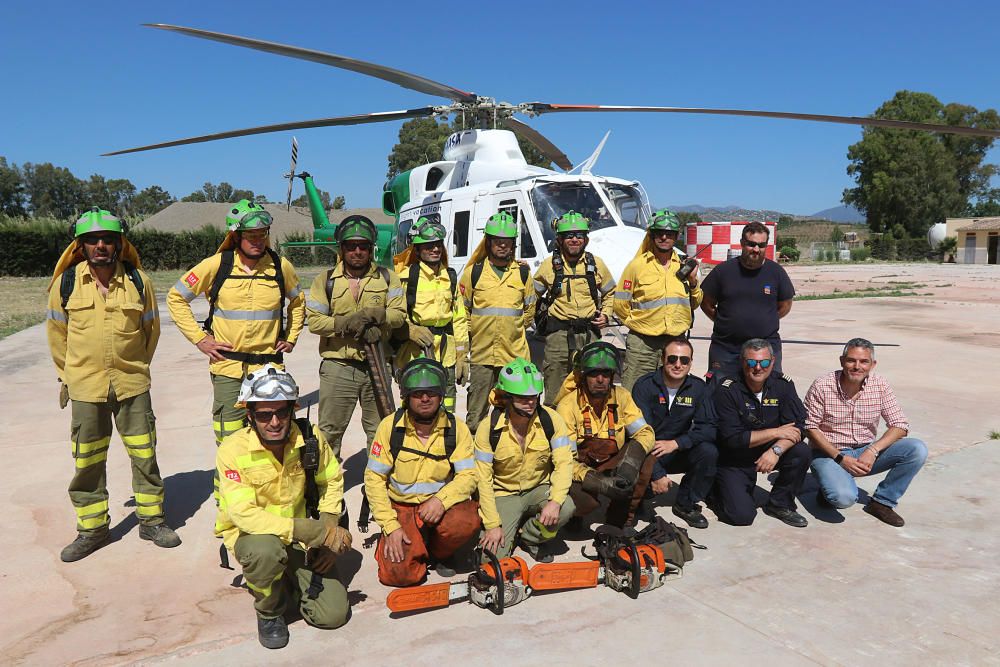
838 459
778 451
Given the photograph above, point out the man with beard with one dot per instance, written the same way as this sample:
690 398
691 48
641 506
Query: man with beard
246 284
499 298
745 296
354 303
760 426
103 326
436 320
524 458
679 407
419 481
613 439
652 301
573 286
268 490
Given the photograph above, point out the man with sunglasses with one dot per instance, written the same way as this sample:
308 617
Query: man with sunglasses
573 286
354 303
760 425
436 323
246 284
612 438
679 407
745 296
844 408
103 327
286 556
651 300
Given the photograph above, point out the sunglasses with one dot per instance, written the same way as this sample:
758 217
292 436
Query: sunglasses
265 416
753 363
351 246
669 233
256 235
94 239
574 235
674 358
755 244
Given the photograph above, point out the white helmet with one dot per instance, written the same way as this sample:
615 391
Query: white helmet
268 383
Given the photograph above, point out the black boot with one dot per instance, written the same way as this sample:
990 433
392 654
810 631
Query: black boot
83 546
272 632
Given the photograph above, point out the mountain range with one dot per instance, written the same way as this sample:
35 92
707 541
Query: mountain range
847 214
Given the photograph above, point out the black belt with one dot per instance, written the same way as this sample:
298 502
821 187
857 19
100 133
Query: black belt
251 358
447 329
577 326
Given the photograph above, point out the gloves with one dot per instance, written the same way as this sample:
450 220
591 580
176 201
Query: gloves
461 371
321 560
612 486
355 323
320 533
372 334
633 456
63 396
422 336
375 314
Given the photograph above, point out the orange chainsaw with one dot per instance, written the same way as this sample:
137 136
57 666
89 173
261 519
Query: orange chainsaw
496 585
631 569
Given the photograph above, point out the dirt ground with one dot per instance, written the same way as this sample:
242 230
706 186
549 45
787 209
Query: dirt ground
846 590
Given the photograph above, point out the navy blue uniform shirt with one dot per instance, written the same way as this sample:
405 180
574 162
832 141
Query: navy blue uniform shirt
746 300
739 412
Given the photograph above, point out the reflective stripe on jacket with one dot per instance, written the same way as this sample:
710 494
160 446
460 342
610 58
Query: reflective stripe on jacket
258 495
511 469
652 300
500 310
102 341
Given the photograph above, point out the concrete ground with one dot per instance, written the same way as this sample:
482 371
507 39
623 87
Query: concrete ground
846 590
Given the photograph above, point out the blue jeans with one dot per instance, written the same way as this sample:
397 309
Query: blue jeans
903 459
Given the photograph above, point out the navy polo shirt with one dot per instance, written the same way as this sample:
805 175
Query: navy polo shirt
747 300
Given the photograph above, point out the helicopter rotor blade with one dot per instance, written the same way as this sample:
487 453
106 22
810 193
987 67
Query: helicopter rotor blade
378 117
398 77
536 139
542 107
291 173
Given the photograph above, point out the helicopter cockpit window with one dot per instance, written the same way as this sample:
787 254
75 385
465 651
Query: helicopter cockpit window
629 201
403 233
526 243
552 200
460 235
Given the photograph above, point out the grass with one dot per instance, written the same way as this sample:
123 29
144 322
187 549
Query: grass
23 300
901 289
994 435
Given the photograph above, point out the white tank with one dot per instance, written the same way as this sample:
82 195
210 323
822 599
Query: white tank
936 234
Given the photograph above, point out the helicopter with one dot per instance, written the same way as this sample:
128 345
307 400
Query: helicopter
483 170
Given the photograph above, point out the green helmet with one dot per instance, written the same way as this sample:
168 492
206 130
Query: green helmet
426 231
664 220
501 225
97 220
246 214
520 378
423 374
357 228
598 356
571 221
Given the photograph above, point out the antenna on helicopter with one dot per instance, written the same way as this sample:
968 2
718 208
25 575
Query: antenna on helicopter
589 163
291 173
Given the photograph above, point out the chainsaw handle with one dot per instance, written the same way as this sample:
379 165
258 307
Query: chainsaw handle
636 566
498 599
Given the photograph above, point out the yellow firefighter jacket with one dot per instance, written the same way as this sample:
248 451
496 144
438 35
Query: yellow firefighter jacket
435 308
379 288
652 300
500 310
98 341
412 478
574 301
258 495
247 313
620 413
513 469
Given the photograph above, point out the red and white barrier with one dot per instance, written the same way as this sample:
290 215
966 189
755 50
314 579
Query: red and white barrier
722 237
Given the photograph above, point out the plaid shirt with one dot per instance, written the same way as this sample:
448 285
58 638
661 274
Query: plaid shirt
850 422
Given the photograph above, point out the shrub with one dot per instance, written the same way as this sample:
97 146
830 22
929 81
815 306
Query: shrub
791 252
860 254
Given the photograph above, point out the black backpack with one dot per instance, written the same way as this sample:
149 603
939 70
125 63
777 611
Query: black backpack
559 268
310 464
226 272
68 282
399 432
543 417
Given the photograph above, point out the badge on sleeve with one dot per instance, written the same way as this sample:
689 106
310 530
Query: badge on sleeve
191 280
233 475
376 449
627 285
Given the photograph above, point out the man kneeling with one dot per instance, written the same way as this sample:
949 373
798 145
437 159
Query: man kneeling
525 465
265 495
419 480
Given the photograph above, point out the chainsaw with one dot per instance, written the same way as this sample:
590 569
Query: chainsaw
496 585
632 569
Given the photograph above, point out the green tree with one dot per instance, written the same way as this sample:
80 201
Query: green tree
836 234
784 221
339 202
421 141
12 194
223 192
688 217
151 200
53 191
909 180
115 195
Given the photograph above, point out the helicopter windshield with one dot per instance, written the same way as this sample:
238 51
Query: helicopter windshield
630 202
552 200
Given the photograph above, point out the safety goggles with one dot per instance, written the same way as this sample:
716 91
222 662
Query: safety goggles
573 235
271 387
256 220
265 416
753 363
674 358
754 244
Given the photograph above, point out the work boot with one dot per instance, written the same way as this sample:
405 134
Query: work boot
272 632
692 516
538 552
883 513
161 535
83 546
791 517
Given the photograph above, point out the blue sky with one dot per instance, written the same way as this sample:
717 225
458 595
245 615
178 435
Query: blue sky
81 79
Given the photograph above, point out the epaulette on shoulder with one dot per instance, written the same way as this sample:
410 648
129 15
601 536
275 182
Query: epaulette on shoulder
727 383
786 378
